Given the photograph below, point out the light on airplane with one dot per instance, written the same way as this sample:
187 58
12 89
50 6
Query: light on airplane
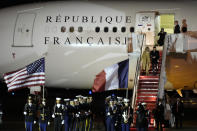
13 93
90 92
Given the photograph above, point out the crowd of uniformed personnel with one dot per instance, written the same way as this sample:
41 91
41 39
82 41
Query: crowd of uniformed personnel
118 114
75 114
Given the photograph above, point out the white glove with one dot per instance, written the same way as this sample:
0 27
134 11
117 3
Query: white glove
34 122
53 116
62 122
49 123
25 113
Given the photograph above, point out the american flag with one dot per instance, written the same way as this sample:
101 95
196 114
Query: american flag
31 75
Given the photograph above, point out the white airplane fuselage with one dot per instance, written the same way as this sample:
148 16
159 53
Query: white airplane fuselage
65 34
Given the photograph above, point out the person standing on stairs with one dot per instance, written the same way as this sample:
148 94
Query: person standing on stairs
159 116
161 35
141 120
146 60
154 55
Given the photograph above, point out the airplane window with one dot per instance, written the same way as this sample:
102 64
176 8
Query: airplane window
114 29
71 29
132 29
80 29
63 29
123 29
106 29
97 29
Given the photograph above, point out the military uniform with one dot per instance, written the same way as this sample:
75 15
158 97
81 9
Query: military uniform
44 116
110 116
30 115
66 114
71 113
76 115
118 114
58 115
89 115
126 114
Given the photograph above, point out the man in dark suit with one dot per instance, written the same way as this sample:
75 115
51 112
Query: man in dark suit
178 111
176 27
154 55
161 35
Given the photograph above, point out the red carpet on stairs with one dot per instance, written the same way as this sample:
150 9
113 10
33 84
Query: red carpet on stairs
147 92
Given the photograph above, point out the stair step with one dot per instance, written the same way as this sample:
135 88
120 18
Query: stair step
149 77
145 94
147 90
149 86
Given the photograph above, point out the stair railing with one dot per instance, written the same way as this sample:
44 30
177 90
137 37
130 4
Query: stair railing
162 77
137 73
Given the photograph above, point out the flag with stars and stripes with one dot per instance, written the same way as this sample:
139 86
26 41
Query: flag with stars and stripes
29 76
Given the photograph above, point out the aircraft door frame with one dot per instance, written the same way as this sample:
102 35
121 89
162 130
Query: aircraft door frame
23 30
145 23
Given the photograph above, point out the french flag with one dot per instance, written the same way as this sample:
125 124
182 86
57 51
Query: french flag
113 77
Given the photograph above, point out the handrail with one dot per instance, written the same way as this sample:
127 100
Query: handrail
162 74
137 74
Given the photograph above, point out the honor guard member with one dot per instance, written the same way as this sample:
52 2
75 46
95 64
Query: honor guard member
66 114
58 115
126 114
110 114
44 115
89 115
118 113
77 115
81 112
30 114
84 110
72 115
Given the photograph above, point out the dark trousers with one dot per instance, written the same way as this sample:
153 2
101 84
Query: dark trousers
57 123
142 129
110 123
43 126
159 126
125 127
66 123
154 66
178 120
29 126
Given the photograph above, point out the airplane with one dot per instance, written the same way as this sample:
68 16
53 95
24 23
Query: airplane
81 38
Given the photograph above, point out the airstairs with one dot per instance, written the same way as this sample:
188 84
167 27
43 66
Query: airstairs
149 88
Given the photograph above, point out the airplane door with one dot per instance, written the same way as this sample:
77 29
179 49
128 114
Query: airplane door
145 23
23 31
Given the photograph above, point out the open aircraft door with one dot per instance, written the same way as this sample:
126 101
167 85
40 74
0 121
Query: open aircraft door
145 23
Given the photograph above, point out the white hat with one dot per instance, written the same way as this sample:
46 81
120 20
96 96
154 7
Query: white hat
119 98
108 97
84 97
58 99
79 96
75 100
126 100
66 99
143 103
